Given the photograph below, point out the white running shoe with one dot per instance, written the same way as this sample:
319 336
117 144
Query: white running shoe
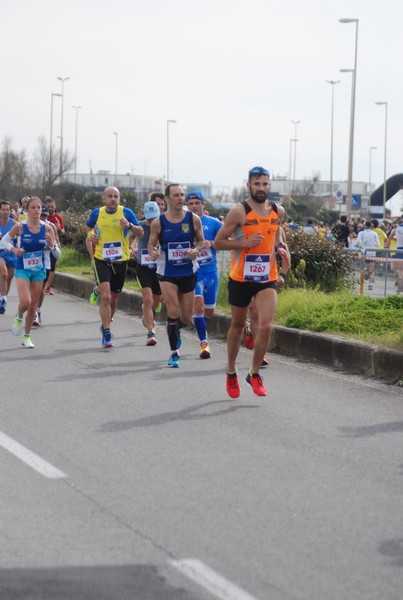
16 327
27 342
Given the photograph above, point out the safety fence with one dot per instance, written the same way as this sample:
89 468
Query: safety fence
377 271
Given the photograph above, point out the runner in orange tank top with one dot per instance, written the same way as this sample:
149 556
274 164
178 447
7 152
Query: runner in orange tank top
252 231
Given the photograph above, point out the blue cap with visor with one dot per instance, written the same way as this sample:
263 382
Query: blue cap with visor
258 172
195 196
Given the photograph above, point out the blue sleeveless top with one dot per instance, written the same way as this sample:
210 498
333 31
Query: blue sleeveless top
34 245
175 239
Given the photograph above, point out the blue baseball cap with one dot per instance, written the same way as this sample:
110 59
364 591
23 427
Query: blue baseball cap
195 196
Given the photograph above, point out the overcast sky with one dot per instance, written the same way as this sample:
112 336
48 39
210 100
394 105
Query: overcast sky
234 75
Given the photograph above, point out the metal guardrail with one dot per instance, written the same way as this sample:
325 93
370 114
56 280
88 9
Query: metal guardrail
388 266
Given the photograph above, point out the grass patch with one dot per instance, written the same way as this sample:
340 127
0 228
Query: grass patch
73 261
375 320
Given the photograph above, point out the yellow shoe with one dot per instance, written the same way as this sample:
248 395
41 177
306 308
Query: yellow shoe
204 350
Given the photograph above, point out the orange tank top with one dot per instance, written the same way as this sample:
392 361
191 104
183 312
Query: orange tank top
256 264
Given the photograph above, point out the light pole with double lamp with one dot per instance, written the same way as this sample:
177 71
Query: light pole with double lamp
62 79
290 181
385 196
352 116
76 108
168 123
295 140
51 138
333 83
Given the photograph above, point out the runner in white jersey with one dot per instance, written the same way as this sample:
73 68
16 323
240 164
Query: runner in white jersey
367 240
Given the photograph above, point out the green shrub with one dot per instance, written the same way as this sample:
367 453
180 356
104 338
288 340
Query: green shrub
318 263
74 225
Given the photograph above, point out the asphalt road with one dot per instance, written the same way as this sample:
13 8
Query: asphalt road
123 479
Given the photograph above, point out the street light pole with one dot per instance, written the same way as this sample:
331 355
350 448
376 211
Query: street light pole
168 122
145 172
76 108
295 140
51 138
115 133
333 83
385 196
289 175
371 148
352 117
290 182
62 79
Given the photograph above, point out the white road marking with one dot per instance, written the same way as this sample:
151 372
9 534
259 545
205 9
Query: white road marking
210 580
31 459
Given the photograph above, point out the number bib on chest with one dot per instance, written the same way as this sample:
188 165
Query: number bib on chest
112 251
33 261
205 256
257 267
178 253
146 260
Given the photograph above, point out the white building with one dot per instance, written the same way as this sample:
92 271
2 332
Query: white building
142 185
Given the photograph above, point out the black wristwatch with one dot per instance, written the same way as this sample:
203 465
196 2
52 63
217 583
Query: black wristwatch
283 275
130 225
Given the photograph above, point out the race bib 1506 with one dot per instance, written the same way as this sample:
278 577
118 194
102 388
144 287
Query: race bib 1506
112 251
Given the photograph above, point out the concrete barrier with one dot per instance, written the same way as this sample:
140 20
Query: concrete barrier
331 350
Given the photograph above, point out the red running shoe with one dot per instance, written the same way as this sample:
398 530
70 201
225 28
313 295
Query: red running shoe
233 389
248 341
256 384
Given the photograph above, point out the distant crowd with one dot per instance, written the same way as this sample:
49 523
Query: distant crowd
370 236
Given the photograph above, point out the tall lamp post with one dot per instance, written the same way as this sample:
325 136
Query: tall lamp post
385 196
168 122
62 79
295 140
145 172
115 133
290 181
289 174
371 148
51 138
332 83
76 108
352 117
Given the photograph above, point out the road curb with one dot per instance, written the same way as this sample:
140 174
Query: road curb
340 353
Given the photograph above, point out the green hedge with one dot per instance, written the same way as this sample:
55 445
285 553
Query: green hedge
318 263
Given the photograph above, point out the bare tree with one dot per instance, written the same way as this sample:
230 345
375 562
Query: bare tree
310 188
43 175
14 174
239 194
